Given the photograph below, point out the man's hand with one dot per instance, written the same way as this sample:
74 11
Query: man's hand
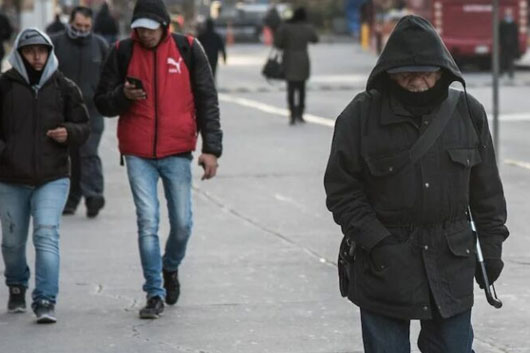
59 134
493 269
132 93
209 163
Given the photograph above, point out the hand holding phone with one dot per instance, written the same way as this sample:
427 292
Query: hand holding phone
134 88
136 82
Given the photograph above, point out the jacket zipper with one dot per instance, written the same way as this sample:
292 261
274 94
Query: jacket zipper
155 102
35 131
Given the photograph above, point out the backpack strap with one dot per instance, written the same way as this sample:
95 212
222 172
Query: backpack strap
124 48
184 44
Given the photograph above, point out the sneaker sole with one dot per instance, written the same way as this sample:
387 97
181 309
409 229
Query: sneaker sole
150 316
17 310
46 319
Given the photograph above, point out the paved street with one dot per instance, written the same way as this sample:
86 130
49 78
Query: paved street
260 274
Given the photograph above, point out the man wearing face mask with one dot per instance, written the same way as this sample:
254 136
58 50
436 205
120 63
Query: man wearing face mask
81 54
409 157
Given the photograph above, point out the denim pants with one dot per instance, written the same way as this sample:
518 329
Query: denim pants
44 203
144 174
382 334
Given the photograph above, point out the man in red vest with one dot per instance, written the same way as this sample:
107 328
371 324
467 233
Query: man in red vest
160 85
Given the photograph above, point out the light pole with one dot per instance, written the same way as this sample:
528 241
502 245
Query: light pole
495 68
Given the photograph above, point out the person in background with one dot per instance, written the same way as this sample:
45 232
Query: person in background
81 54
410 156
56 26
161 86
41 114
106 25
272 19
213 44
509 42
293 38
6 30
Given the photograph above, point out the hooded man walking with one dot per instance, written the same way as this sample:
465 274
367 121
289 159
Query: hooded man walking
41 114
81 54
409 155
161 86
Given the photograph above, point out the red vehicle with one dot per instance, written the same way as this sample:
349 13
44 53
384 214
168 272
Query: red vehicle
466 25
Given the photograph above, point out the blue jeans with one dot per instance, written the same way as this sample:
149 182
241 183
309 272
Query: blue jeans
382 334
175 173
44 204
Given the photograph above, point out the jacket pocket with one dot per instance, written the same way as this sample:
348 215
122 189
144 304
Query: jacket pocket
466 157
458 173
459 263
391 182
392 274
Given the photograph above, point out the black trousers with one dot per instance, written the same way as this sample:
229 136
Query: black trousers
296 88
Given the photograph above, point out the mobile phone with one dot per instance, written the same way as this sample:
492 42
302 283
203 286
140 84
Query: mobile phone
136 82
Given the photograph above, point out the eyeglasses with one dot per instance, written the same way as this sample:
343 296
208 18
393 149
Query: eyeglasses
409 75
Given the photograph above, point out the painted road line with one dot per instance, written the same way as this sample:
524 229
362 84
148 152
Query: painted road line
250 103
315 119
520 164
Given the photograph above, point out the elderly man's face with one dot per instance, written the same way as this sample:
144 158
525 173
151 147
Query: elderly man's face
416 81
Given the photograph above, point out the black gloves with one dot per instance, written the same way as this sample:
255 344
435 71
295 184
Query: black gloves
493 269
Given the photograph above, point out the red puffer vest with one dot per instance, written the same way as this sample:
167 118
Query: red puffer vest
164 123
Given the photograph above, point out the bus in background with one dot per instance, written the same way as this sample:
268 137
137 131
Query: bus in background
466 25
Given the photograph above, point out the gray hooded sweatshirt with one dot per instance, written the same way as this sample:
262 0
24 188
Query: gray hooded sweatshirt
16 61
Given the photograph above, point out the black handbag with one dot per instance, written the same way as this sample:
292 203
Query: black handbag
273 68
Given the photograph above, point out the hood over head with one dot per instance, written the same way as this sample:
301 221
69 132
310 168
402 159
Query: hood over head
413 42
151 9
33 36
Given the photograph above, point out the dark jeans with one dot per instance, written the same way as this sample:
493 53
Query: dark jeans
382 334
296 88
87 170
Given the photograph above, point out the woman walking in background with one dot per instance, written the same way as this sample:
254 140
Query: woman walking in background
293 37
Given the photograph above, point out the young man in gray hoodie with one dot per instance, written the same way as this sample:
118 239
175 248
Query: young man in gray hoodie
42 114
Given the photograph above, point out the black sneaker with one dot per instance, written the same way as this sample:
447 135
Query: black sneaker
68 210
94 205
45 312
153 308
172 286
17 299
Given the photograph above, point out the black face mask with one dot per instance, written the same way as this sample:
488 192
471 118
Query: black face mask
421 102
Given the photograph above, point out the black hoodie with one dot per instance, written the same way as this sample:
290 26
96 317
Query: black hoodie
414 41
153 9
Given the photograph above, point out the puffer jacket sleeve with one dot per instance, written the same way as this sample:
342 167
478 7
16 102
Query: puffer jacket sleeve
486 197
346 196
76 114
206 102
109 98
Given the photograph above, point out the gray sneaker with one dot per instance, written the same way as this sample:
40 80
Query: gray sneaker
17 299
45 311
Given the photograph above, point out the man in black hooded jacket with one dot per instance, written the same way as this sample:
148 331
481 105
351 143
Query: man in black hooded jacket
406 212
